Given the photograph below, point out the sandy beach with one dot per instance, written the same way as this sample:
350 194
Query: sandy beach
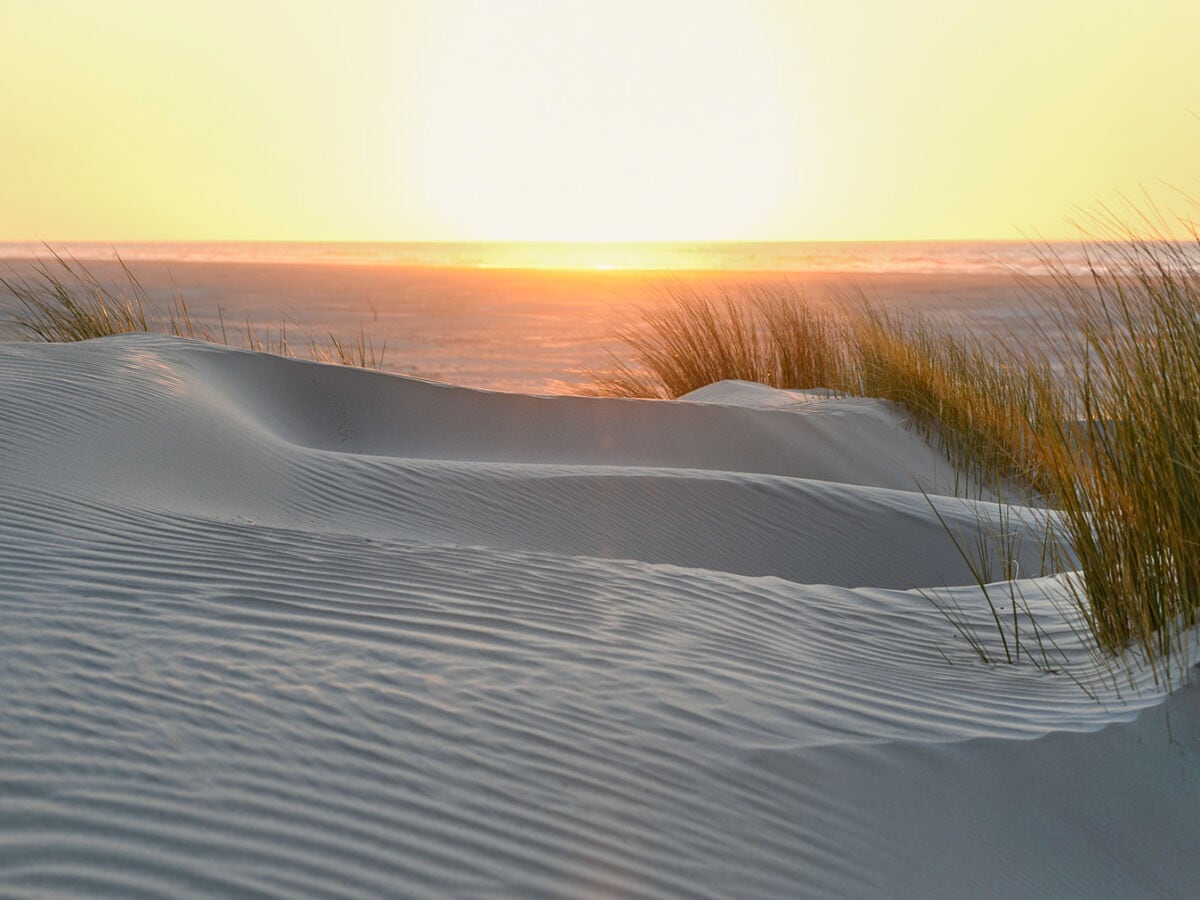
276 628
528 450
536 331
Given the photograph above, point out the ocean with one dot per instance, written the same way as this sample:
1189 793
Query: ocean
536 318
913 257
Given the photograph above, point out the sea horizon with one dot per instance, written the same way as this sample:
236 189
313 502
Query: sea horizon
948 257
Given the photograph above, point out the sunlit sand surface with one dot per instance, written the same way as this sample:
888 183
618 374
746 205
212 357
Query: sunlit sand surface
277 628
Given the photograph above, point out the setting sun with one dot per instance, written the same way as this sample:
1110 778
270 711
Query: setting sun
580 120
599 448
615 121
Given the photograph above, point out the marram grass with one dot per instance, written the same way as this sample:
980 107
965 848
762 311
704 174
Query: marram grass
980 408
1112 441
749 333
1126 467
66 302
983 409
62 300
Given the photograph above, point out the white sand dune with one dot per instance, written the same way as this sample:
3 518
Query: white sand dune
278 629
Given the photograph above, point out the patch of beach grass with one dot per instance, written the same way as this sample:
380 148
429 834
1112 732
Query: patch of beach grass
984 409
1106 429
357 351
63 301
992 553
693 338
1126 467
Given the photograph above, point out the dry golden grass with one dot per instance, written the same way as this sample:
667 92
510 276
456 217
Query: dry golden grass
1114 444
982 408
64 301
751 333
1126 467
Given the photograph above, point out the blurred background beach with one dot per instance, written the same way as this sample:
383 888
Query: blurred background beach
539 317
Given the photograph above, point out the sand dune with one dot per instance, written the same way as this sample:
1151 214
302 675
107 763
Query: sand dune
273 628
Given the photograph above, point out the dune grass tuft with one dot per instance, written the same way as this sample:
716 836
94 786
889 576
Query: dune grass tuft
1126 468
983 409
750 333
356 351
1107 430
64 301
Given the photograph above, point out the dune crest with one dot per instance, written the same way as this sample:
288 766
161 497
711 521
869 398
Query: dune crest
276 628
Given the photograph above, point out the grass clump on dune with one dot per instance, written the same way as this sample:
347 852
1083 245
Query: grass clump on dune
749 333
1113 442
63 301
66 302
983 409
1126 468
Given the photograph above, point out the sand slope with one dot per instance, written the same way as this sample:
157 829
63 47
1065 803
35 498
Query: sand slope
272 628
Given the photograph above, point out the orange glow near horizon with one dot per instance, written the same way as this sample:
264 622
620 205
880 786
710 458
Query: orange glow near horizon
589 120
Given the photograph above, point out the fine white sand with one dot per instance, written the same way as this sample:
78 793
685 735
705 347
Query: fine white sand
274 628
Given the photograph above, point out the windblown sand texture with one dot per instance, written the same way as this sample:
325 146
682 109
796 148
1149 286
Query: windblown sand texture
273 628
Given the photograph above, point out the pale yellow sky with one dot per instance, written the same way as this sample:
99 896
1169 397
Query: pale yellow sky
588 119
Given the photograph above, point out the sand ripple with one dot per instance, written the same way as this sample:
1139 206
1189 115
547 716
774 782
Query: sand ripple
277 629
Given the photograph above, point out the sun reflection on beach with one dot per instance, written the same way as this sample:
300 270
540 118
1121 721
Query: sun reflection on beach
597 257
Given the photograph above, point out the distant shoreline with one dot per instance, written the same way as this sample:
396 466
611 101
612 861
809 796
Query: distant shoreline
528 330
858 257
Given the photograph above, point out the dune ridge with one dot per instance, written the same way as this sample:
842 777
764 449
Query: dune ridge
276 628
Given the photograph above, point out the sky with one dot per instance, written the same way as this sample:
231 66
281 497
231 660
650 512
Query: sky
590 120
